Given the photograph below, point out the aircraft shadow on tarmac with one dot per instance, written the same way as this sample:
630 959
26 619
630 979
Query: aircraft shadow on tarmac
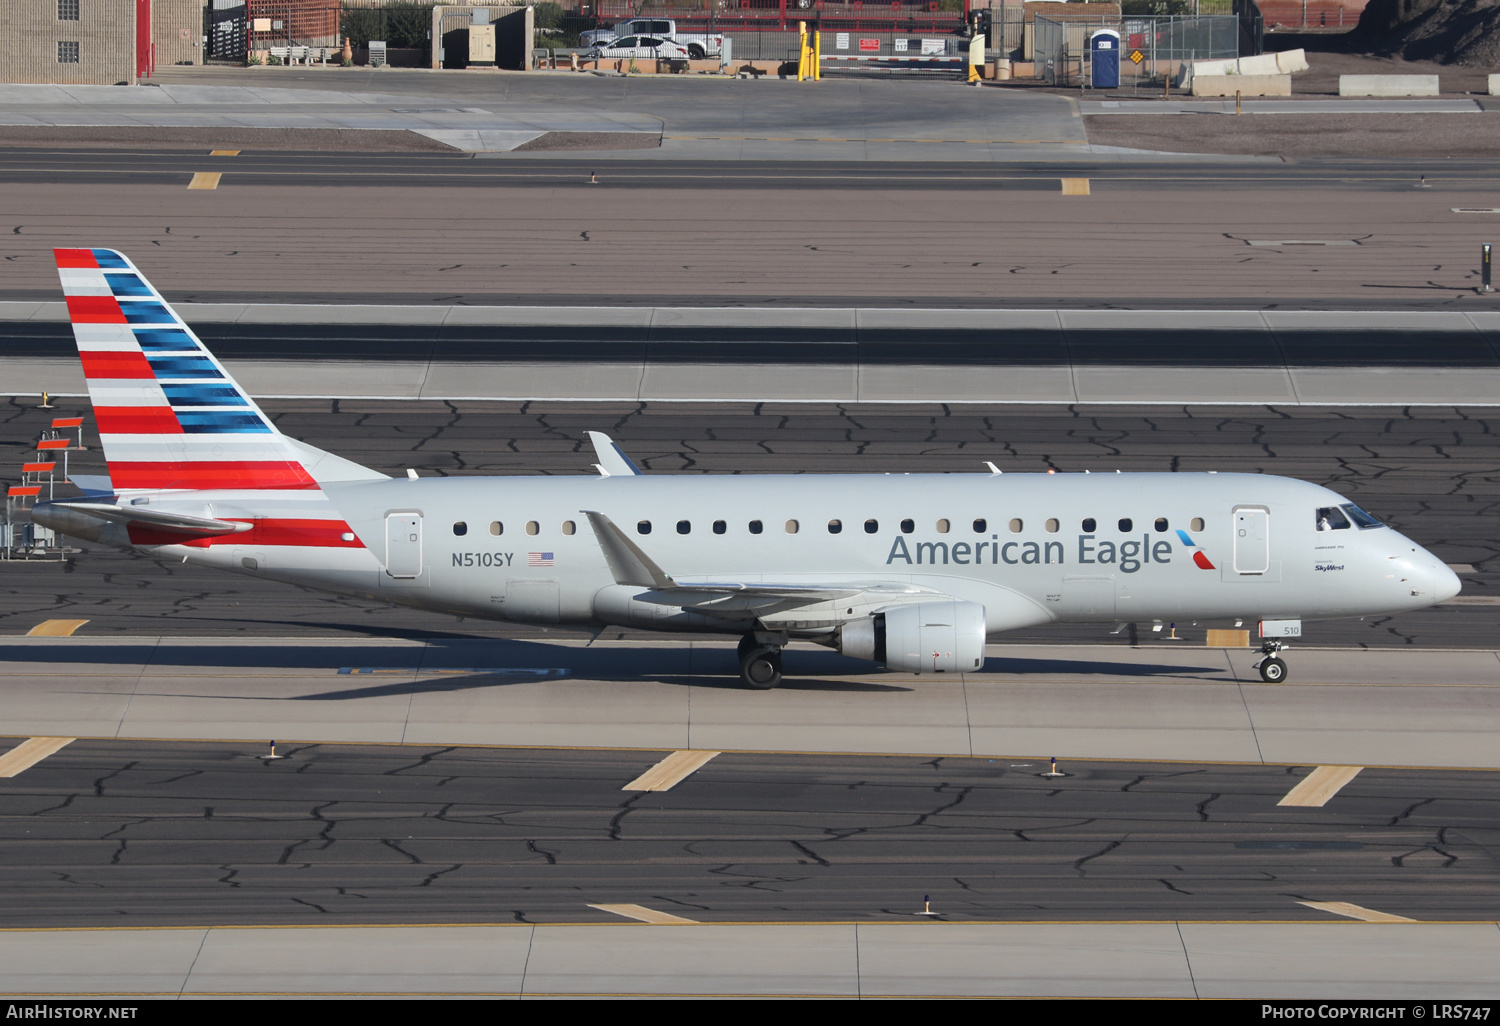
458 664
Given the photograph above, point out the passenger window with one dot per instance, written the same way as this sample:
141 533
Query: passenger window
497 528
908 526
1089 525
720 527
1331 518
1196 523
872 526
942 527
643 527
756 527
1126 524
791 527
684 527
532 527
569 527
1052 526
460 528
1016 526
981 525
835 526
1161 525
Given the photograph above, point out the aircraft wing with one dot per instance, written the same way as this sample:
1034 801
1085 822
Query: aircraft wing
632 567
175 523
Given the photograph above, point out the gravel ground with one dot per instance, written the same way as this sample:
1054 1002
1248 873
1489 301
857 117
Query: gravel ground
1395 136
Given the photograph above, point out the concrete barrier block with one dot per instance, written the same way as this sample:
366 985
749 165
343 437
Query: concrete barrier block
1245 85
1388 85
1495 85
1290 62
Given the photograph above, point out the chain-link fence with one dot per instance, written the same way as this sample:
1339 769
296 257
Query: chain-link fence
1151 48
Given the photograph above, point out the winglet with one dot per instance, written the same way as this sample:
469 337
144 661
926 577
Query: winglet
626 561
612 459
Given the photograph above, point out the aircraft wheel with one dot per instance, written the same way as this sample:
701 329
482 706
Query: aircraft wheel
760 668
746 644
1273 671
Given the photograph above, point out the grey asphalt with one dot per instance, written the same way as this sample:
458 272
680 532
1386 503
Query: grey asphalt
1428 471
828 354
155 834
1377 240
710 118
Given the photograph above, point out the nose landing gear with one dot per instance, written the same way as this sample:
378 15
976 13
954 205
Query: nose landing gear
760 663
1272 667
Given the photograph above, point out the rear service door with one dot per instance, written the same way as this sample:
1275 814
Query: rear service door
403 544
1252 539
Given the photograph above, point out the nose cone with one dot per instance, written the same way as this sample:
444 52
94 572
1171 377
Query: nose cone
1445 583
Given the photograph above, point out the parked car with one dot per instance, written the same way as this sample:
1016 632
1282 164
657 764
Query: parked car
639 48
699 44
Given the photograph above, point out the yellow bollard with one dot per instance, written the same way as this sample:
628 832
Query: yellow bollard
817 55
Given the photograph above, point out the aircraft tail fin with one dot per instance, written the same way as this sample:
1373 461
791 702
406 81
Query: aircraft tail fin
169 415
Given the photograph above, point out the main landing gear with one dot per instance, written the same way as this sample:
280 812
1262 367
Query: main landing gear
1272 667
760 662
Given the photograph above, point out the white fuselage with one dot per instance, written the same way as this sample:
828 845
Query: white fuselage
1030 548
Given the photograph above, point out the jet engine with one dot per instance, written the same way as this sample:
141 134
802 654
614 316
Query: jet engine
928 637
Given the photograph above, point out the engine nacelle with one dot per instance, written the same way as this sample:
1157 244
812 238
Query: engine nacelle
928 637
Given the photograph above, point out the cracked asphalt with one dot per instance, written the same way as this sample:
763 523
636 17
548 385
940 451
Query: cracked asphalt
150 833
1433 473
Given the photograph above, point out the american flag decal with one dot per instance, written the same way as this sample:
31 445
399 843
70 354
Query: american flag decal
539 559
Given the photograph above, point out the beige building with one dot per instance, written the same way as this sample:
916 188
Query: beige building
95 42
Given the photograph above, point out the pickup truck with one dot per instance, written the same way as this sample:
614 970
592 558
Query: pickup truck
699 45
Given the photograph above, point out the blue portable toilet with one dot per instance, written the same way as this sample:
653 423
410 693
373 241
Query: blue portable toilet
1104 59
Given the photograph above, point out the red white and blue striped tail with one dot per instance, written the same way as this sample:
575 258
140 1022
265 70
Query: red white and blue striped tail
169 415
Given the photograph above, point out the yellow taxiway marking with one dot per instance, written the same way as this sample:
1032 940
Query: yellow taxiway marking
224 153
55 628
28 753
1366 915
205 180
1075 186
1320 785
645 915
670 772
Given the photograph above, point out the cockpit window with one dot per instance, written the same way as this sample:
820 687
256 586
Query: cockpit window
1360 517
1330 518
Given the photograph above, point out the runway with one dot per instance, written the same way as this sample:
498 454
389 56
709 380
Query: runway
152 834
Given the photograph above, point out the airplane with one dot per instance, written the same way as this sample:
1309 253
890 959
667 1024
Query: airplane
912 571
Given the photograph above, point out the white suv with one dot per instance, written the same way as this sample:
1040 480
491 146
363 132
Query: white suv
639 48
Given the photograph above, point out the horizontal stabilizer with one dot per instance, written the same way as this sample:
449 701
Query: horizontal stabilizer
94 485
174 523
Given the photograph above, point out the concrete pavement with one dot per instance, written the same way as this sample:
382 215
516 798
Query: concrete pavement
1334 961
1395 707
